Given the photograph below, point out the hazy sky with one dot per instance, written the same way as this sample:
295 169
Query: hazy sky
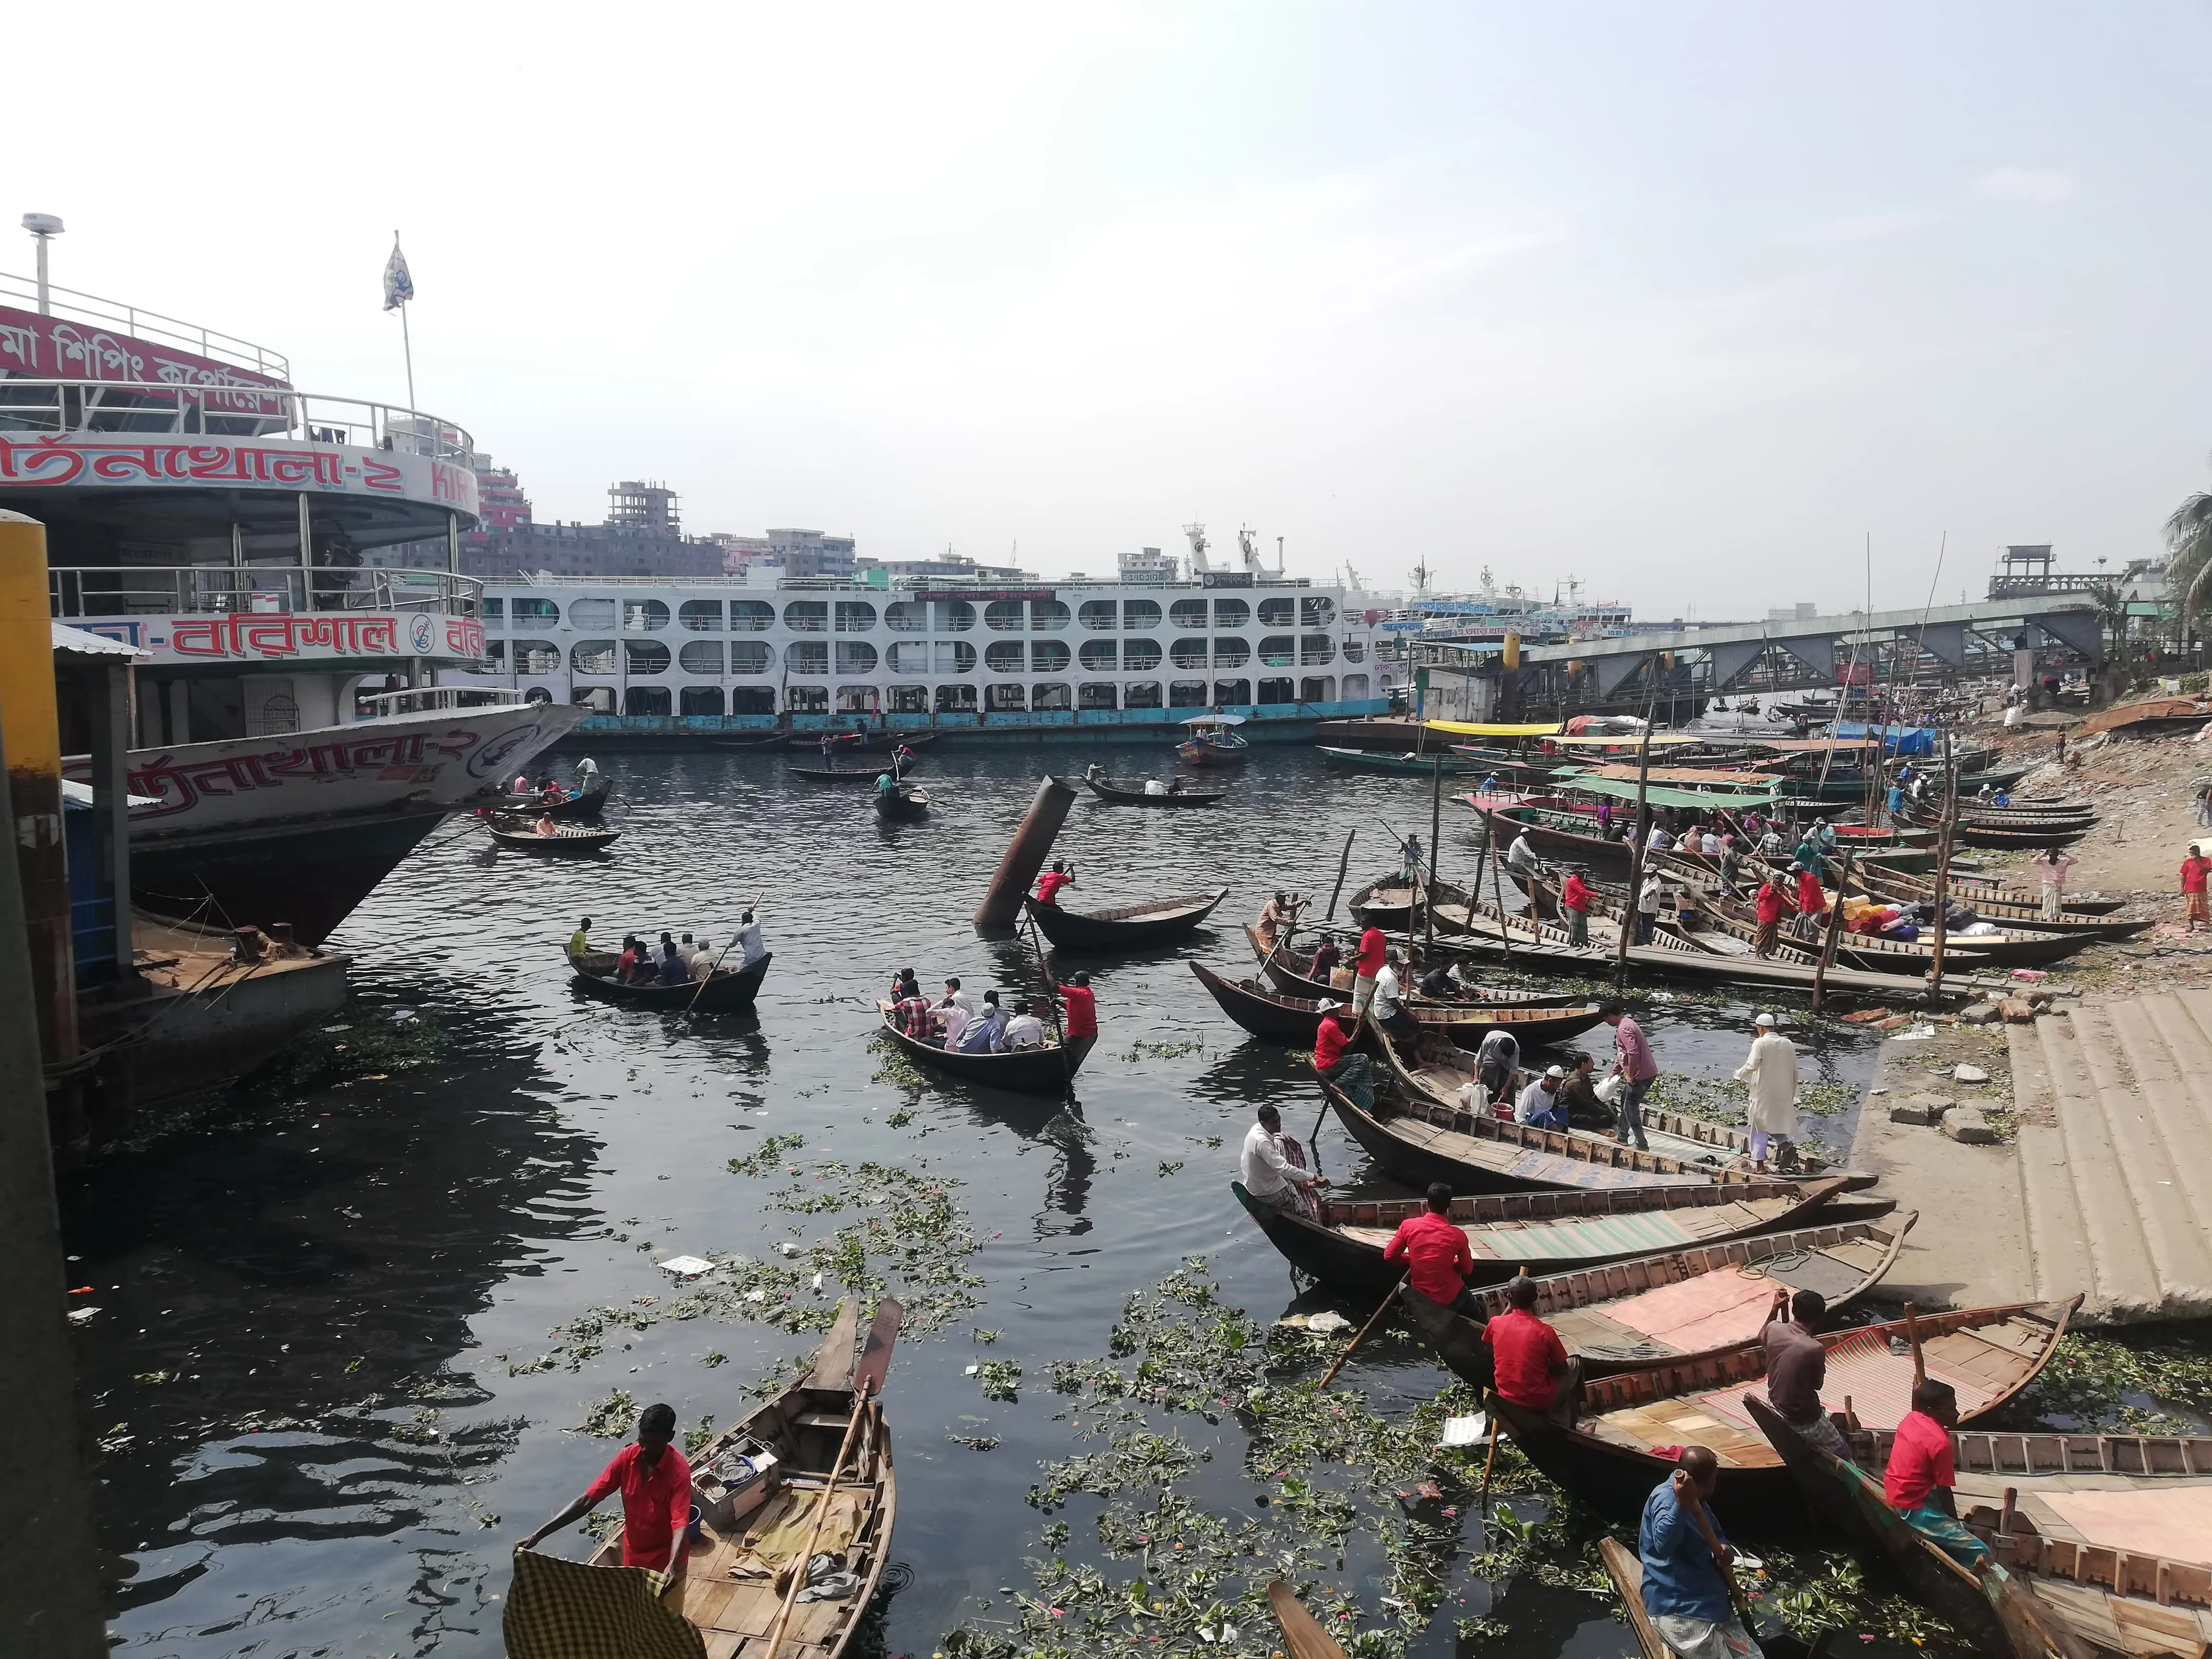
1682 299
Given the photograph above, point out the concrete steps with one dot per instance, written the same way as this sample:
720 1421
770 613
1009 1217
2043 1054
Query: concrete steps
2118 1201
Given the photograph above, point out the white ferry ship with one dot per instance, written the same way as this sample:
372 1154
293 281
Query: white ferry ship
1102 659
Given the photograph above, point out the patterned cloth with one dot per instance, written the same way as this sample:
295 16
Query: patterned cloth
1702 1638
563 1609
1952 1539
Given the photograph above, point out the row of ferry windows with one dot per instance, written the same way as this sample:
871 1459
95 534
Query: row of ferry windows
1046 698
906 616
743 657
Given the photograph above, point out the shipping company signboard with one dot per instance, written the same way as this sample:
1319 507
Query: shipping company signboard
99 461
333 636
40 347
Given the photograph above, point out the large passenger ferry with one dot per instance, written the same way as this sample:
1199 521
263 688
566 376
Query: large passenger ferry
1114 659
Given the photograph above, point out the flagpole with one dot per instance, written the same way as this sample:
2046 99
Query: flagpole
407 341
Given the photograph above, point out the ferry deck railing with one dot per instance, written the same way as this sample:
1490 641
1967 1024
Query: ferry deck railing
72 307
158 409
226 590
436 699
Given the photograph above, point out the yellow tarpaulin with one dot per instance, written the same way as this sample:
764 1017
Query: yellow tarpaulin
1473 729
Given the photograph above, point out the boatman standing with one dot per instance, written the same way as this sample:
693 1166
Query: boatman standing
655 1483
1575 903
1082 1015
1797 1368
1050 883
747 941
1374 950
1685 1575
1770 1069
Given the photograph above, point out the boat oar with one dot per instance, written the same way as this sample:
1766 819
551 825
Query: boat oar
1913 1336
1490 1458
868 1378
1051 996
717 967
1329 1374
1689 1495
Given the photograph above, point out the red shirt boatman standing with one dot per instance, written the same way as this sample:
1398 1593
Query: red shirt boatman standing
1773 903
655 1483
1575 900
1530 1362
1436 1253
1082 1014
2194 869
1374 950
1050 883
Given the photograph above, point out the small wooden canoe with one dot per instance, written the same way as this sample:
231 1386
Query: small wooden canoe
730 990
1047 1070
1391 905
1629 1425
1295 1020
570 842
2110 1554
1686 1304
1123 795
727 1595
583 807
857 743
840 774
1562 1231
1285 977
1627 1575
1455 765
1125 925
904 803
742 744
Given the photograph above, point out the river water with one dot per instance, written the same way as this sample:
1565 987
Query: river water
303 1372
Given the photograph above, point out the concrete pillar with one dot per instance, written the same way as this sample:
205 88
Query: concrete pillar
110 708
30 727
50 1592
1025 855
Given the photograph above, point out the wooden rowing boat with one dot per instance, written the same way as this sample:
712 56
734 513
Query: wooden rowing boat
1683 1305
1563 1232
730 990
1627 1575
1123 795
1292 983
1124 925
1390 904
583 807
903 803
1046 1070
858 742
841 774
745 744
569 843
726 1596
2110 1554
1975 892
1628 1426
2006 914
1264 1013
1425 766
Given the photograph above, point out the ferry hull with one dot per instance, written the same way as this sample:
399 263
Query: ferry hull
311 875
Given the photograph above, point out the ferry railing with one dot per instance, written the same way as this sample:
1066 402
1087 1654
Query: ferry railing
436 699
72 307
158 409
226 590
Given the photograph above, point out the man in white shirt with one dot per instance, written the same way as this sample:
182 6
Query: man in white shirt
1647 909
1154 787
686 948
1024 1030
1387 1006
1268 1174
2052 866
956 998
1538 1106
1496 1062
1521 855
1711 845
950 1017
747 942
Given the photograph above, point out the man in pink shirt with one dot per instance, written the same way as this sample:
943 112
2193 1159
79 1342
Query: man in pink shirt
1632 1060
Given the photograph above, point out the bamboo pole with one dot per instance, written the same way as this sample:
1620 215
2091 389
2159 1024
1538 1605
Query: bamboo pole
1943 871
1436 840
1343 865
1643 840
1496 891
1913 1336
1835 927
1329 1376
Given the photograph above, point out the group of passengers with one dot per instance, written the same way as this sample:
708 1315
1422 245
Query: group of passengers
675 961
955 1023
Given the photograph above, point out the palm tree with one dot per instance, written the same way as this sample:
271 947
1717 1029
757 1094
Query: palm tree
2189 557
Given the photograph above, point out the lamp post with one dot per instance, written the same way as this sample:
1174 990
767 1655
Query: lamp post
44 228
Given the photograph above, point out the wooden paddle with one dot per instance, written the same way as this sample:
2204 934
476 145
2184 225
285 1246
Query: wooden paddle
1051 996
1329 1374
1913 1336
1303 1638
1688 1494
717 967
867 1379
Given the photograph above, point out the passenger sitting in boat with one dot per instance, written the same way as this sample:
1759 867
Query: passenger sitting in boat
1435 1251
1770 844
703 961
2004 798
1540 1106
1661 839
1273 1168
1326 956
674 970
578 944
522 783
626 964
1797 1367
1387 1007
1433 980
1579 1093
950 1019
1686 1591
687 948
1049 883
1710 843
1353 1073
904 985
546 826
1175 784
885 783
1154 787
1024 1030
655 1483
1533 1370
911 1014
981 1035
1922 1472
1497 1062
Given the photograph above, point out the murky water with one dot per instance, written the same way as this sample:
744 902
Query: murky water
300 1371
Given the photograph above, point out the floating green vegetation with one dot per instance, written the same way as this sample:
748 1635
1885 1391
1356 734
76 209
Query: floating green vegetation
765 1158
364 1042
1339 1494
2156 1382
910 1239
892 1065
1164 1050
612 1418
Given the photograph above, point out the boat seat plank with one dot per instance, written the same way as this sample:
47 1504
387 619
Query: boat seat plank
2175 1523
1712 1310
1584 1330
836 1421
723 1643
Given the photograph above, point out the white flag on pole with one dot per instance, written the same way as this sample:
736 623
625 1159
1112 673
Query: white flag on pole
398 285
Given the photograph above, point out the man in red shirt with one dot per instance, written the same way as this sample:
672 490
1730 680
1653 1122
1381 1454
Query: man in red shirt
1918 1482
1373 949
1082 1014
1436 1254
2194 869
1575 900
1529 1362
1350 1072
1812 900
1772 902
655 1483
1050 883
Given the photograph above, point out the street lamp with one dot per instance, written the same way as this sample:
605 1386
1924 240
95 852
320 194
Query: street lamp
44 228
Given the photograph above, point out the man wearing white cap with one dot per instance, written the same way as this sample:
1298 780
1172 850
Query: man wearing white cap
1540 1106
1770 1069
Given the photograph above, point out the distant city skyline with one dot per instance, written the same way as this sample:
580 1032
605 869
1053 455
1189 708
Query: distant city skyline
1684 303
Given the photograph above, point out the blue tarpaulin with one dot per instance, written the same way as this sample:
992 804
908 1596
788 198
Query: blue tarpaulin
1897 739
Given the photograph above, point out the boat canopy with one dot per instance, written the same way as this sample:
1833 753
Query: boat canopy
1694 777
1656 796
1215 719
1897 739
1479 729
